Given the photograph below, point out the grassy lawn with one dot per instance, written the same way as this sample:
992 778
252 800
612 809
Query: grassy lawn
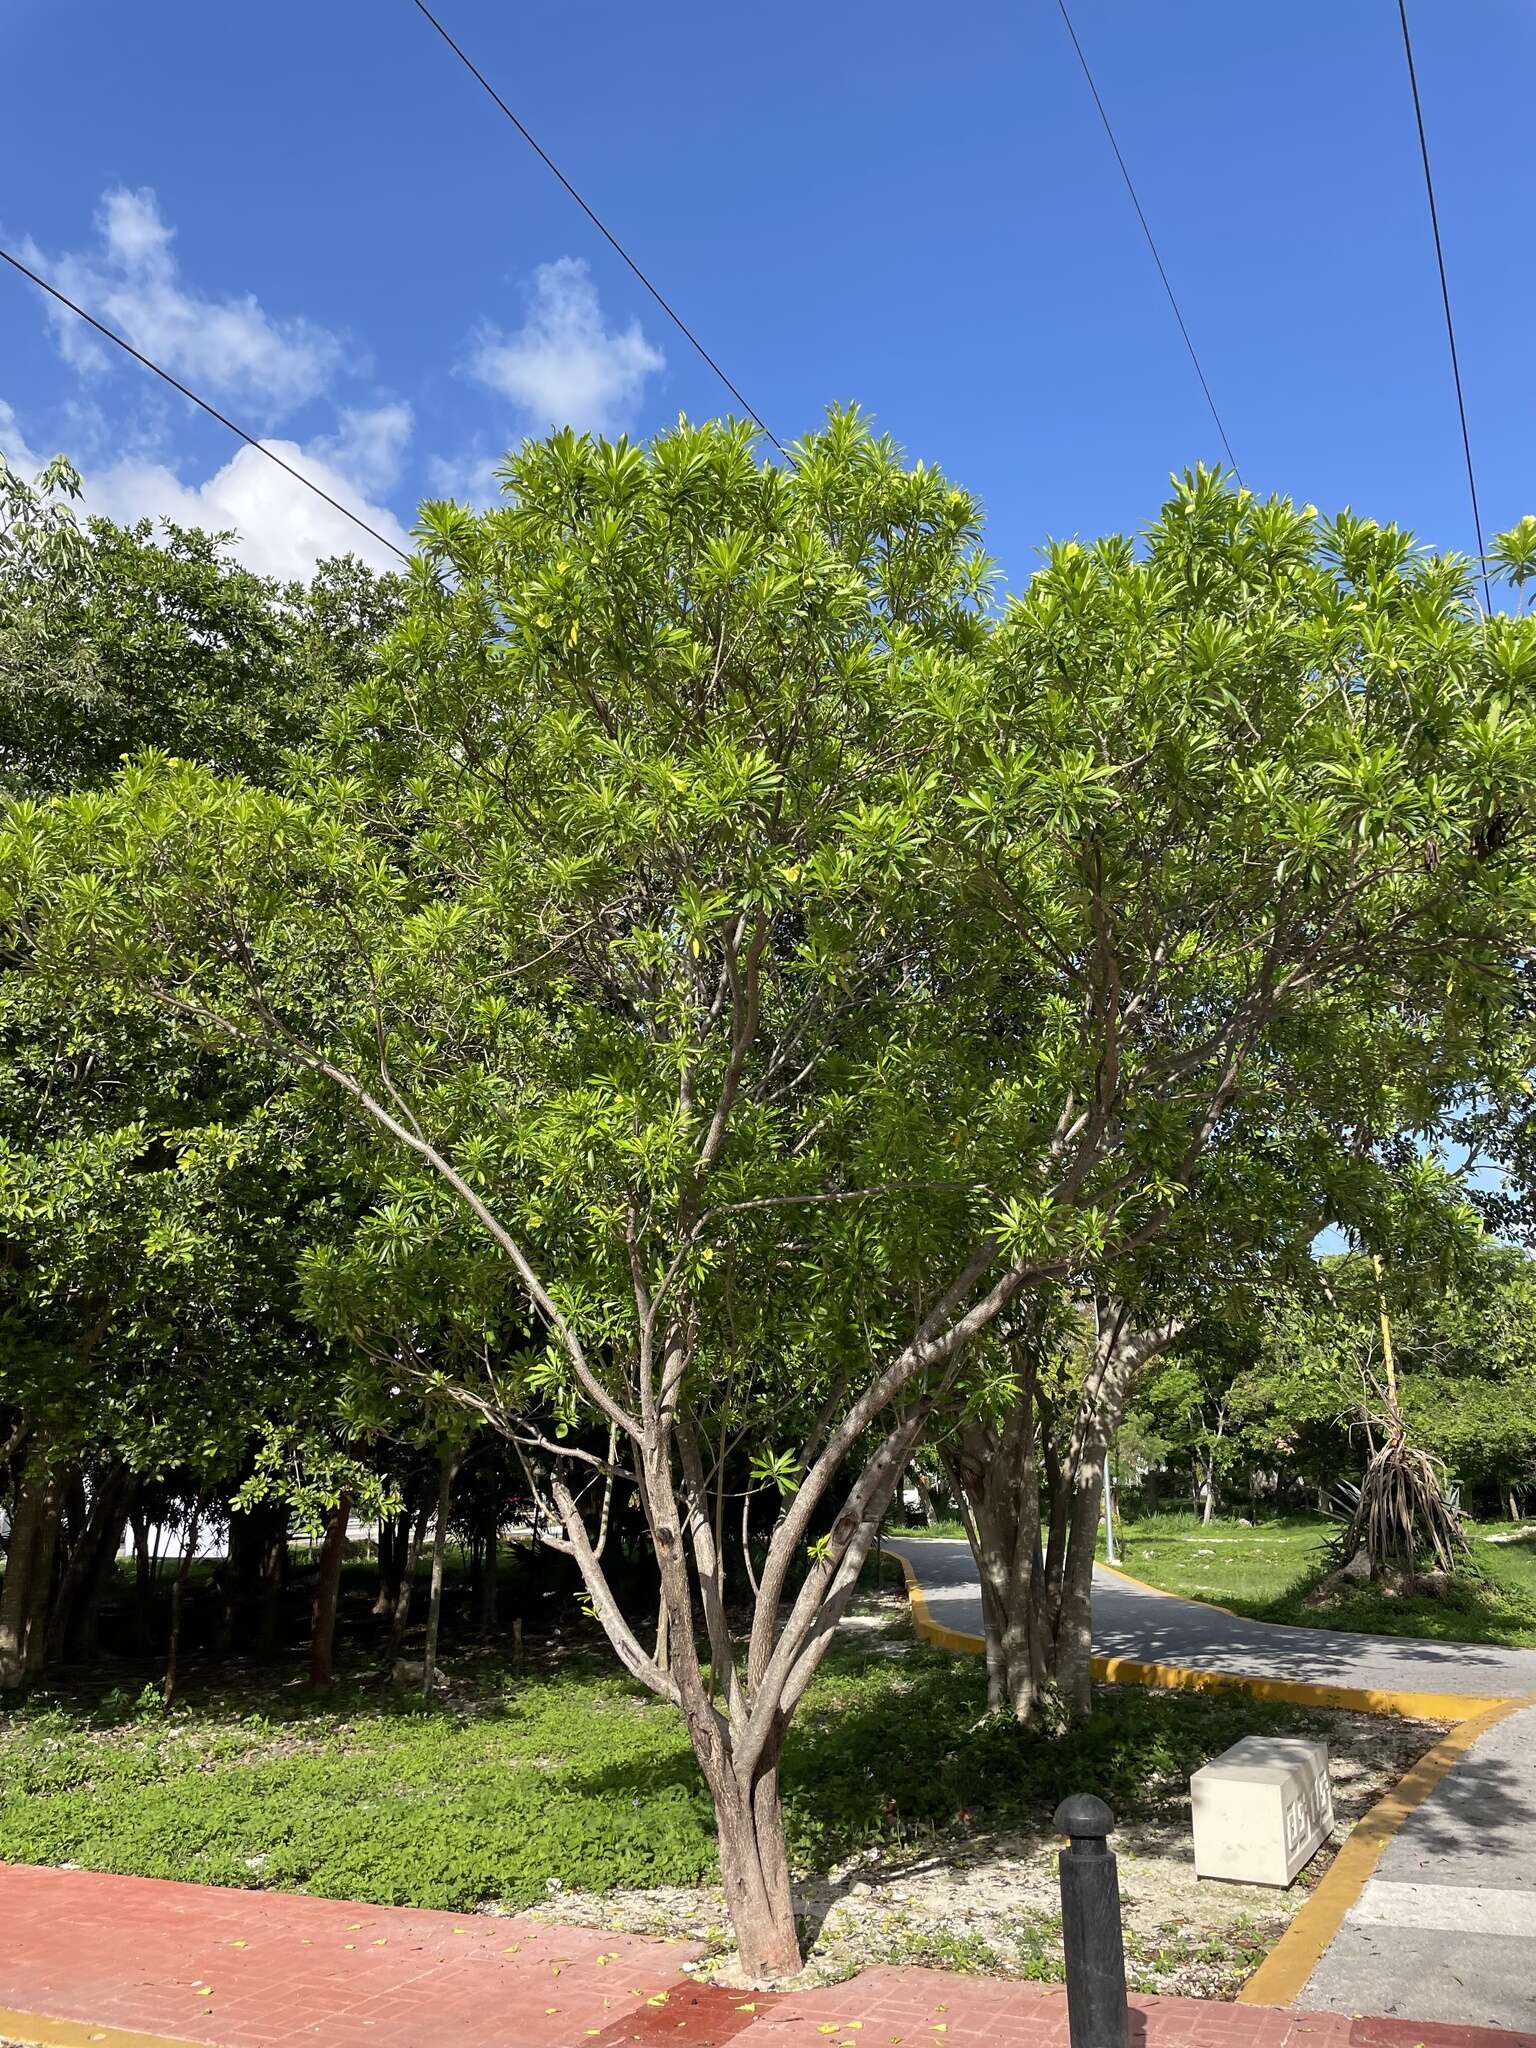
570 1777
1268 1572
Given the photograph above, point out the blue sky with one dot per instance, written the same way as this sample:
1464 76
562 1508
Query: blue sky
314 216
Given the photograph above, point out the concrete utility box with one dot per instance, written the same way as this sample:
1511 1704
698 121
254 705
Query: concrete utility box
1261 1810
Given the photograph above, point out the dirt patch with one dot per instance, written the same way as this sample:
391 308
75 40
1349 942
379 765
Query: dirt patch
989 1904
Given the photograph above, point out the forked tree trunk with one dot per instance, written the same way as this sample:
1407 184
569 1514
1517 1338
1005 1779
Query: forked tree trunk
25 1597
91 1561
1036 1564
322 1626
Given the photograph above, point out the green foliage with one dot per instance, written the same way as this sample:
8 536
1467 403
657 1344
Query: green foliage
577 1780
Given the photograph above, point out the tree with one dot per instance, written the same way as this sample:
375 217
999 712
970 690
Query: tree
152 1198
1251 804
779 973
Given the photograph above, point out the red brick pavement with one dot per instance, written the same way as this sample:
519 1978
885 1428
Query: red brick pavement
239 1969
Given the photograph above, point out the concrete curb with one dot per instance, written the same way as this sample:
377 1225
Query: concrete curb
1281 1976
1279 1979
36 2030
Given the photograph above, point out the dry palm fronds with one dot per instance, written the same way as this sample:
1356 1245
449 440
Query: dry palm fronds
1405 1519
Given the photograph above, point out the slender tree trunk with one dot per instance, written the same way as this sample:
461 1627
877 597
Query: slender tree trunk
322 1626
448 1465
490 1569
663 1652
272 1578
28 1587
141 1579
930 1506
1208 1512
178 1597
402 1616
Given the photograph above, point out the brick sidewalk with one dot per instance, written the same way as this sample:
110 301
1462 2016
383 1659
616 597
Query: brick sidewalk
237 1969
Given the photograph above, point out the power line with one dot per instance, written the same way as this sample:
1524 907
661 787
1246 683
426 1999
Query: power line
1445 300
603 229
213 412
1151 244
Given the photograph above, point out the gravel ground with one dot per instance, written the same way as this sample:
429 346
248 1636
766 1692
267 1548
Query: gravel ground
989 1903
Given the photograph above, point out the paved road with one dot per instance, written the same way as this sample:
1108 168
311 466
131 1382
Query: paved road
1445 1929
1157 1628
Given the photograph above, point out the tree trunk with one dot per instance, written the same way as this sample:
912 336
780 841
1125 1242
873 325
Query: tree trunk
929 1505
448 1465
25 1597
178 1597
394 1537
663 1651
754 1867
322 1625
490 1569
91 1562
1208 1512
1037 1577
408 1580
141 1580
258 1545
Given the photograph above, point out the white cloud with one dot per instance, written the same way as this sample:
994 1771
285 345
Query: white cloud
132 282
280 528
369 443
563 367
23 458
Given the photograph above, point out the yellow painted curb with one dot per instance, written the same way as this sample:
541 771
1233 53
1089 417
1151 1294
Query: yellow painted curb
930 1630
36 2030
1280 1977
1291 1692
1294 1692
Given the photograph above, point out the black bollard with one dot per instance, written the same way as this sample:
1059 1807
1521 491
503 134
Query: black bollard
1097 2015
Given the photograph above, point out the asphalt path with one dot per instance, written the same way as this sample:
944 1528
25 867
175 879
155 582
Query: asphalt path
1445 1927
1149 1627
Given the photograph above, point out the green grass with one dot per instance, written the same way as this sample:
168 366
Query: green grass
1268 1572
569 1778
947 1526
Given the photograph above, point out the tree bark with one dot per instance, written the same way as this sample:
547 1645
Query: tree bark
322 1625
402 1614
448 1465
178 1598
1036 1570
394 1538
91 1561
490 1569
24 1599
754 1867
